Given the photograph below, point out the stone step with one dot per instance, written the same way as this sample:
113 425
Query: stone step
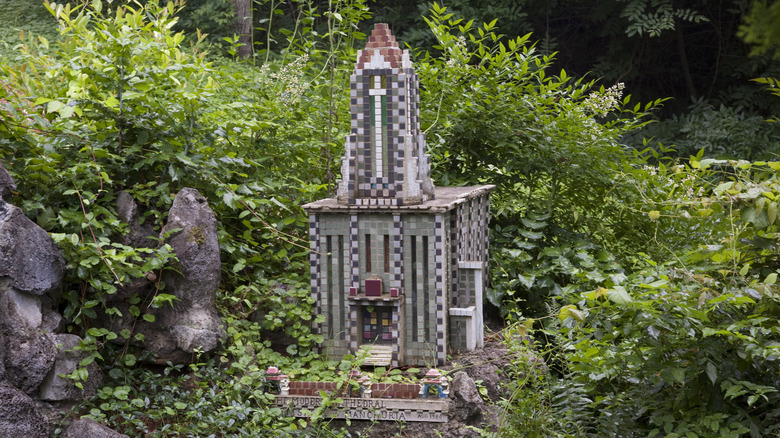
379 355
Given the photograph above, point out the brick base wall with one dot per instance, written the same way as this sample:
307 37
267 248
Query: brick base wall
380 390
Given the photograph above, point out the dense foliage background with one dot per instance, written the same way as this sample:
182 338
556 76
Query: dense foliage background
694 53
644 269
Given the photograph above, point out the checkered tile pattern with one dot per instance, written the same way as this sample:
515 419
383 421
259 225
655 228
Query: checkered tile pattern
398 252
441 320
354 251
314 238
395 331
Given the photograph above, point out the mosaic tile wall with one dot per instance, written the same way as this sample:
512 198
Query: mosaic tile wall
420 289
417 255
469 225
458 333
329 258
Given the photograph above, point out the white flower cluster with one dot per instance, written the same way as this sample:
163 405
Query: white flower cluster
601 104
457 52
687 184
287 79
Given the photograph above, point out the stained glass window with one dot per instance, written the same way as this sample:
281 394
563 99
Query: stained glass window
377 325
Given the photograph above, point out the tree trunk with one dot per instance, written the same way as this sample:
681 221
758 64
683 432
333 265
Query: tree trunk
684 61
244 27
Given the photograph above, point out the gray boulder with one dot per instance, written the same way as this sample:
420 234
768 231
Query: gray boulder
19 416
27 359
464 388
52 321
21 312
192 323
88 428
56 388
26 353
468 405
28 256
7 186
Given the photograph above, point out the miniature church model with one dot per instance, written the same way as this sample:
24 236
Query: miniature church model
398 266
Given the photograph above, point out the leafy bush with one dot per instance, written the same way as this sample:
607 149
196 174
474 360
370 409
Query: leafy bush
687 347
225 395
24 23
121 105
548 143
540 404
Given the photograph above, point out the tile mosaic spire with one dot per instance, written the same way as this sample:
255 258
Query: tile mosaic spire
385 160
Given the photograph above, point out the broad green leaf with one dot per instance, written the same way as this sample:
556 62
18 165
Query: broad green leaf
495 297
86 361
618 295
734 390
111 102
532 224
571 311
129 360
722 188
673 374
121 392
712 372
595 294
527 280
228 198
533 235
54 105
655 285
760 203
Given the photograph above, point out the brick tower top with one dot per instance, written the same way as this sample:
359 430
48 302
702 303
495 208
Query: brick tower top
381 39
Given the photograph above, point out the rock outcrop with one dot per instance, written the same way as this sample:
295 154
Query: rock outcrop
138 235
192 322
88 428
31 270
32 354
33 351
30 262
7 185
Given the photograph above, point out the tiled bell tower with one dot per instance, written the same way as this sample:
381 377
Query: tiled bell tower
385 161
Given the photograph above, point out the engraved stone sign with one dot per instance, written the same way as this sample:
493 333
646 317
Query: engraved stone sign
432 411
